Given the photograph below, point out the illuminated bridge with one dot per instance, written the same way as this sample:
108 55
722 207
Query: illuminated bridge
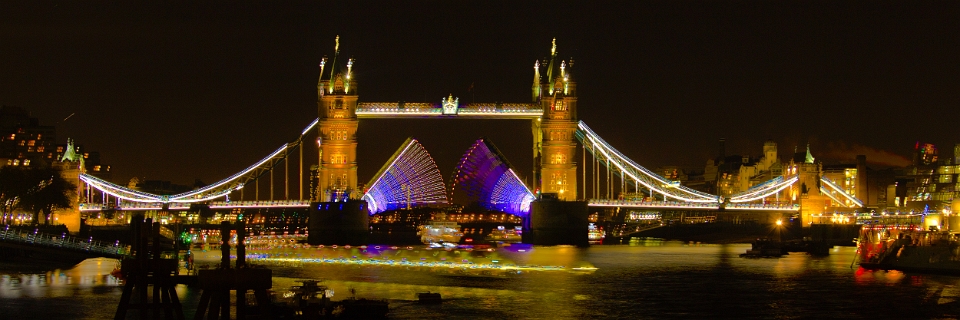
410 178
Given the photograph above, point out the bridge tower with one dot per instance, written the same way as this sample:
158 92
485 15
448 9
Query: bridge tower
337 105
808 186
71 166
554 142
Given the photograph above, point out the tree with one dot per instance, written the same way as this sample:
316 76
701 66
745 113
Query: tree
13 185
49 192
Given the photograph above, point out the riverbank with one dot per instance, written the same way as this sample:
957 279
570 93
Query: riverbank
727 233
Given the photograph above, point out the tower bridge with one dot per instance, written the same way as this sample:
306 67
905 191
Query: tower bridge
411 178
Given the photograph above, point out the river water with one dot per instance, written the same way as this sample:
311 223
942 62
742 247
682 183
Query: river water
642 280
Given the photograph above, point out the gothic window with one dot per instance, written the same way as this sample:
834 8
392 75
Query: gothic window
558 159
559 106
338 134
557 135
559 181
338 158
338 84
338 104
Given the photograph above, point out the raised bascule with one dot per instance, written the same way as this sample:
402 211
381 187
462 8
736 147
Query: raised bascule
555 203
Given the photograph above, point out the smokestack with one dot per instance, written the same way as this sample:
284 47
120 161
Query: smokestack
863 191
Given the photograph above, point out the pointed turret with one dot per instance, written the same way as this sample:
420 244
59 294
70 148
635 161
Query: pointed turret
323 62
536 81
553 57
333 66
346 88
809 158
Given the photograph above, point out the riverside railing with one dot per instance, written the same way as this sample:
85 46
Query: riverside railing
62 241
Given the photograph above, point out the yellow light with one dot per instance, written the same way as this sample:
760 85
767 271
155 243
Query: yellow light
779 222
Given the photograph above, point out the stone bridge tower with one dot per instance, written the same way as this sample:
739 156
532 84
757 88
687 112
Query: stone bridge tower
555 147
337 139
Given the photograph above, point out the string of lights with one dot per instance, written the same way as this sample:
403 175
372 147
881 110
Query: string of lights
409 178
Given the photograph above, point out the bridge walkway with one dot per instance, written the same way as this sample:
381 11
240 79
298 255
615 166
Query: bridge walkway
20 238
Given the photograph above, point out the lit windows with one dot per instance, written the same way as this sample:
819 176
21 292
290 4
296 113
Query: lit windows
26 162
338 158
558 135
559 106
338 135
40 149
558 159
558 181
31 143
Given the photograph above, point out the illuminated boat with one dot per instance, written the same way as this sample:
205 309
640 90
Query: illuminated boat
438 232
909 249
595 235
504 235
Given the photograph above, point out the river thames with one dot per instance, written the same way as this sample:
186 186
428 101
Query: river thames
649 279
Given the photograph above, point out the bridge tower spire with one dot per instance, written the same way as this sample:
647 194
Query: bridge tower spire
536 81
554 133
337 106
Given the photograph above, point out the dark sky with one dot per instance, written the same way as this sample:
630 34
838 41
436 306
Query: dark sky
186 91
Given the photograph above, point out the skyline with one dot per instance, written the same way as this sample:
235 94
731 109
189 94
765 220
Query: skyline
177 93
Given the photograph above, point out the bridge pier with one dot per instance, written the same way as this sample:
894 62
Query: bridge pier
339 223
554 222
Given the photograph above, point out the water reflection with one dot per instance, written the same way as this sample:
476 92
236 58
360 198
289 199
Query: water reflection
643 279
89 274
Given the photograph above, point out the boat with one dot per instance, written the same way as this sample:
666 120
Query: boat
353 308
503 235
909 249
439 232
764 248
310 300
595 235
429 298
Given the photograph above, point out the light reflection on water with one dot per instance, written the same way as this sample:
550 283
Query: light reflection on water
645 279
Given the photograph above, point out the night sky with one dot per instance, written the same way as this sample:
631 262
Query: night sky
201 91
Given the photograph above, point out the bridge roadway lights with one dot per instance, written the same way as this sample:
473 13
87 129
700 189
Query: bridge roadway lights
555 222
339 223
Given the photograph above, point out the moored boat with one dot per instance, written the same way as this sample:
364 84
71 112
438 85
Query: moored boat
909 249
764 248
429 298
310 300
